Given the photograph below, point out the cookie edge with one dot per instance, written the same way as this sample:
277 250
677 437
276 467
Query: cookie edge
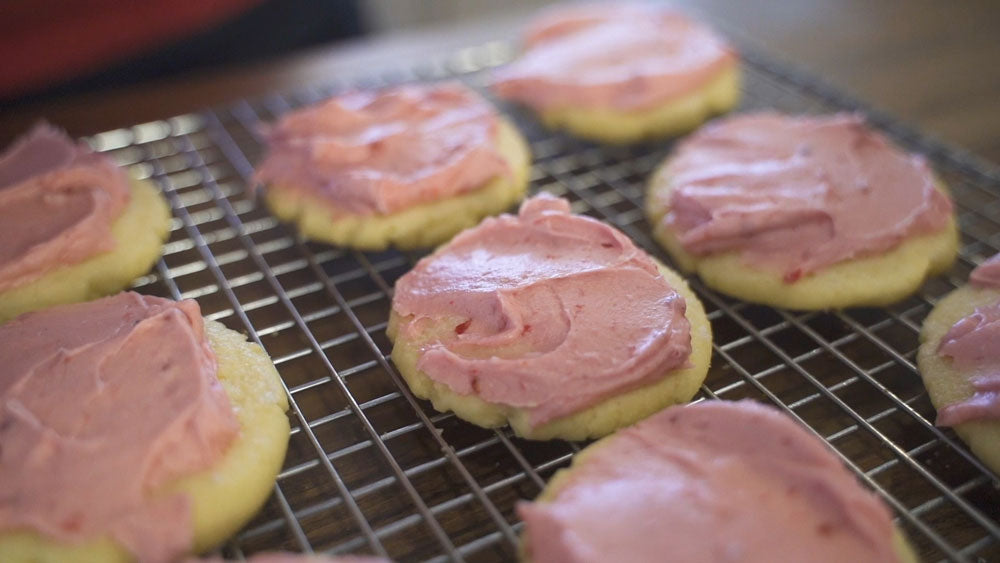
677 386
255 390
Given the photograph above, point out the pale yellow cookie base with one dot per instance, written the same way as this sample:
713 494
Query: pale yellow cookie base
421 226
676 117
678 386
228 495
562 477
874 281
139 235
947 385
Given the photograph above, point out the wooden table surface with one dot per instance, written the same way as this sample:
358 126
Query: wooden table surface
931 63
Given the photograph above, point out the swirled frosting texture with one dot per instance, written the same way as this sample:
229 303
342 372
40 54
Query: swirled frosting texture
624 57
798 194
987 274
103 405
378 152
973 344
552 312
714 481
58 200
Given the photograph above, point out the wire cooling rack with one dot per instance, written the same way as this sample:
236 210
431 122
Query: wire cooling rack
372 469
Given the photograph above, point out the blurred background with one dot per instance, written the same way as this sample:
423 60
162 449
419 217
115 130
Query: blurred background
927 61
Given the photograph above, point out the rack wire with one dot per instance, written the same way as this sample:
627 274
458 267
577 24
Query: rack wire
371 469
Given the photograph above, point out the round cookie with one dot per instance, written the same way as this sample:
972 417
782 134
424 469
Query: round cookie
420 226
945 383
877 279
225 497
900 271
677 386
139 234
563 481
619 73
669 119
620 409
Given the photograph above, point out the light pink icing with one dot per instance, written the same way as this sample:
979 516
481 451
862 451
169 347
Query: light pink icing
973 344
987 274
798 194
612 56
553 312
58 200
714 481
378 152
101 405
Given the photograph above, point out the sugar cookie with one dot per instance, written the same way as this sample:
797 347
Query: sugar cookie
960 364
712 481
802 212
554 323
408 166
132 430
73 226
620 73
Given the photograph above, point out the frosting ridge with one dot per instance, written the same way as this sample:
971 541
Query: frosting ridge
378 152
58 200
552 312
628 57
798 194
971 343
102 404
987 274
711 481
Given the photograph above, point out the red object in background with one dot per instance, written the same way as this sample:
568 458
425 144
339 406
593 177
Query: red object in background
44 42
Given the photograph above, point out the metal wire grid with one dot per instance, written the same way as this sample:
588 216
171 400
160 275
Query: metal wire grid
371 469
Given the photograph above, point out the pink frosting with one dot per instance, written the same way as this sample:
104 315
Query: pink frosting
101 405
624 56
798 194
553 312
973 344
987 274
714 481
381 152
58 200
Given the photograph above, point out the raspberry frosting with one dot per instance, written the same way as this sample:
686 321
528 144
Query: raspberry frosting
58 201
102 405
798 194
552 312
379 152
987 274
612 56
708 482
973 344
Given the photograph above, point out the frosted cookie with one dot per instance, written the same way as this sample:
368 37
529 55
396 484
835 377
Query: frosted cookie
73 226
408 166
712 481
802 212
132 430
620 73
554 323
959 361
